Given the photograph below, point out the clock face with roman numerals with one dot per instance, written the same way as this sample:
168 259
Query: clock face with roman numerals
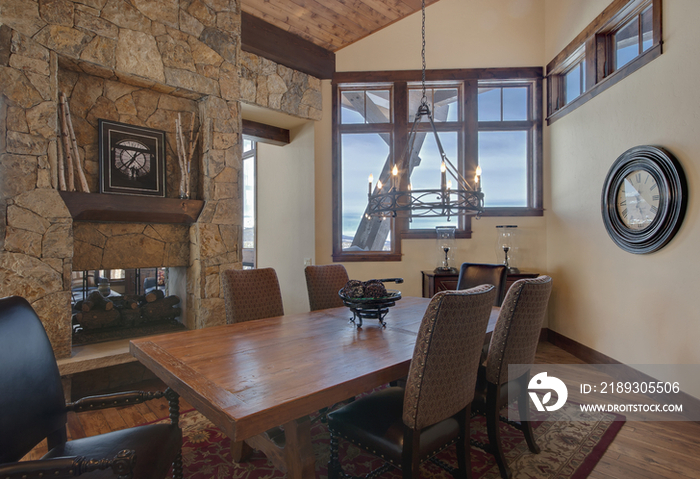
132 159
638 199
644 199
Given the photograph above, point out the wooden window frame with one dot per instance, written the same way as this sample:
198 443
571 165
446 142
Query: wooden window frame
400 126
252 155
597 40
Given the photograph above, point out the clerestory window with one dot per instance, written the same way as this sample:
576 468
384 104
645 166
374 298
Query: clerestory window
624 37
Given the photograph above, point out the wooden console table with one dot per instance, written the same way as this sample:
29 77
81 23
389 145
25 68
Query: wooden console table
436 282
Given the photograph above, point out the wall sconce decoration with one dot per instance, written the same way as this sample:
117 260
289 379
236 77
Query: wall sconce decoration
506 244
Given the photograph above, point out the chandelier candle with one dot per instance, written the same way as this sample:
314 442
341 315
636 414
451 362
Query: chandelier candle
443 173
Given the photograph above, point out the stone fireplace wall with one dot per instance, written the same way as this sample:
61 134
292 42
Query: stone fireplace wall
136 61
92 97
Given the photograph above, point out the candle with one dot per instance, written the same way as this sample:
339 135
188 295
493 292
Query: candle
443 170
371 178
394 177
449 186
477 178
379 184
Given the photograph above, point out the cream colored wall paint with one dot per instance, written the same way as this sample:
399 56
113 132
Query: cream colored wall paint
564 19
285 180
459 34
519 26
638 309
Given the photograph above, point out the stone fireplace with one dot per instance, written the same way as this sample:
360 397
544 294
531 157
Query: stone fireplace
139 62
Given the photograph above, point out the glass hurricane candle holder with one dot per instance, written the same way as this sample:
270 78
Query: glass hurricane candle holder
506 245
445 249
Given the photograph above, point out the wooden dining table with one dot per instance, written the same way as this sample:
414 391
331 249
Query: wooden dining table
250 378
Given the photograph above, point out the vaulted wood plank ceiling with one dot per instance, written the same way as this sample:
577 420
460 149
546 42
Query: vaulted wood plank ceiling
332 24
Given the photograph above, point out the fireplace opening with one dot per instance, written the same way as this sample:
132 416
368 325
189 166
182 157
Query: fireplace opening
116 304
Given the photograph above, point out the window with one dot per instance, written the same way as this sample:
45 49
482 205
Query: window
623 38
424 168
249 212
574 83
504 139
633 38
483 117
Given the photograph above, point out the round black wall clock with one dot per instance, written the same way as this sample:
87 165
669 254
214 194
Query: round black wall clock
644 199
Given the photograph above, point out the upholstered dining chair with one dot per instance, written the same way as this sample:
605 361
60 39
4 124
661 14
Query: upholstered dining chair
33 408
323 283
406 426
474 274
251 294
513 342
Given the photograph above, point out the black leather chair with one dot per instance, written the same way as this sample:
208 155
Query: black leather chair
474 274
407 426
33 408
514 342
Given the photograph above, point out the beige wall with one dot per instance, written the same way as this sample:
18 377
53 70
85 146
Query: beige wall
635 308
286 213
459 34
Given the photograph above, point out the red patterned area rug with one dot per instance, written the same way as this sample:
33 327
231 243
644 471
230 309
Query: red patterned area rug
569 450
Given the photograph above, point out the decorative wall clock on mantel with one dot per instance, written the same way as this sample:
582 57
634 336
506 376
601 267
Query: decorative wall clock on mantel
644 199
132 159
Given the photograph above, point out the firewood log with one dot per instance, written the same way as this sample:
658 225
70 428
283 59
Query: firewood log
96 301
96 318
154 295
125 302
161 310
130 317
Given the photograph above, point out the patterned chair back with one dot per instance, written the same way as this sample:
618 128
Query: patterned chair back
517 331
251 294
442 375
474 274
323 283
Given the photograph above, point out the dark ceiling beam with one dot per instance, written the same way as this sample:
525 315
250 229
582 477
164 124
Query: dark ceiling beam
265 133
273 43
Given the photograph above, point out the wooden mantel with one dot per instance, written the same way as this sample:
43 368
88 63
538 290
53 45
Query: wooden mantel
131 209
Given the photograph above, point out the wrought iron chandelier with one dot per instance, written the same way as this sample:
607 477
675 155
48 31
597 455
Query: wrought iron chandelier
387 200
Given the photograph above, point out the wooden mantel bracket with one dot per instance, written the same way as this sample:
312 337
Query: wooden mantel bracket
131 209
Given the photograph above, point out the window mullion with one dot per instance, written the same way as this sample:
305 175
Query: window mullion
471 125
400 126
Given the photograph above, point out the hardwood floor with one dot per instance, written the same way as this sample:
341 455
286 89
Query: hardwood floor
640 450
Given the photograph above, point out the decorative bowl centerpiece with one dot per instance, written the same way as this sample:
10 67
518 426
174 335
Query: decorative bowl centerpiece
369 299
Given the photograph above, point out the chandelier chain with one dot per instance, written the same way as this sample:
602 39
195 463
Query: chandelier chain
424 99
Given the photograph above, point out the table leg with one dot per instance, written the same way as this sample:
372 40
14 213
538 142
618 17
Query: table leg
298 452
240 451
296 457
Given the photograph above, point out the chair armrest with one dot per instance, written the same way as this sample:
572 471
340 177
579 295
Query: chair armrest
94 403
66 467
